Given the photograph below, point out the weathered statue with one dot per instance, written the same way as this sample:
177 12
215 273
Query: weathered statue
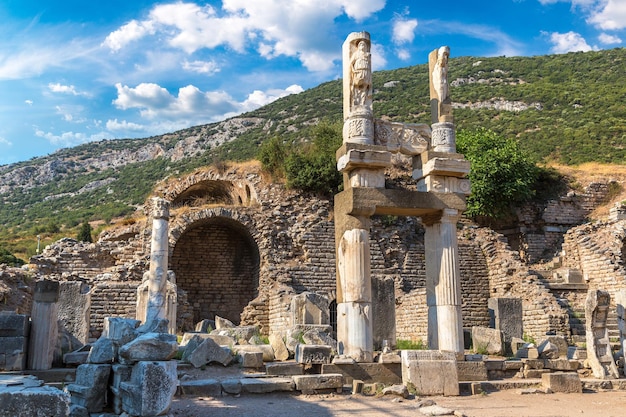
441 106
361 74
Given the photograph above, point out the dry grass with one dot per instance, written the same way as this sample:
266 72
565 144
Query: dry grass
582 175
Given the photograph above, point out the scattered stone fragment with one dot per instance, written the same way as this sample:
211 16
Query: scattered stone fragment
399 390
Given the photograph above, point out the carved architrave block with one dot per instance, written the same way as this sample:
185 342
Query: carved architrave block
406 138
440 184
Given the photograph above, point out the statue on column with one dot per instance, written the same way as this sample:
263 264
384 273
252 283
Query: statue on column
441 105
357 89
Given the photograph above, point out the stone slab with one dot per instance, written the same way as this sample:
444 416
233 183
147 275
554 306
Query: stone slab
201 388
251 359
471 371
14 325
266 385
284 368
311 383
313 354
266 350
386 373
25 395
489 341
431 377
506 316
568 382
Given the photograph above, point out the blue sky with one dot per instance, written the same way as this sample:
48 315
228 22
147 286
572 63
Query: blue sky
74 71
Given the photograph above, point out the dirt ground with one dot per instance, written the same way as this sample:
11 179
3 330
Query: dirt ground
501 403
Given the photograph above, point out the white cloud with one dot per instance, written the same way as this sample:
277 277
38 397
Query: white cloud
505 45
607 39
201 67
29 102
5 142
128 33
191 105
610 15
379 61
66 139
403 30
260 23
568 42
70 113
65 89
124 126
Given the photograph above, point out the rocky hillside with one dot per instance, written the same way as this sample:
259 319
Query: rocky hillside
568 108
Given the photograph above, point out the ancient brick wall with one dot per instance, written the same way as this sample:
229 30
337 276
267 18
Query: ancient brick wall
111 299
509 277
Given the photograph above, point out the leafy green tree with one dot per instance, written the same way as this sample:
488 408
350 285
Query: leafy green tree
272 155
84 235
314 168
502 175
8 258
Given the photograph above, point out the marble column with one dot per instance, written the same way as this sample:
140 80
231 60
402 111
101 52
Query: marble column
354 304
159 250
443 284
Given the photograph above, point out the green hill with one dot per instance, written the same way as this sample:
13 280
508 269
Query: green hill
567 108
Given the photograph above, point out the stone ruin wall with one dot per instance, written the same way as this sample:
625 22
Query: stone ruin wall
541 228
295 238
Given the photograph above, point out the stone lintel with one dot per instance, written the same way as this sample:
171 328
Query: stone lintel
370 201
347 147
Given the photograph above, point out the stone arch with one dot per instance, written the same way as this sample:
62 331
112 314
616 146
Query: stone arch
216 259
209 187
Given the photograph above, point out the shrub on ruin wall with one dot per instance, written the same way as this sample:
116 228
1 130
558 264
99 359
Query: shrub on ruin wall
502 175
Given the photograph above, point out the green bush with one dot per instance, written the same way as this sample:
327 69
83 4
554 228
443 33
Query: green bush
502 175
84 235
8 258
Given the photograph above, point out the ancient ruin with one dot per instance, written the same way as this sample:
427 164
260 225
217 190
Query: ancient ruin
315 294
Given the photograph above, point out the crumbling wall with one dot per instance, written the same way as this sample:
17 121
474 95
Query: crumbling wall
509 277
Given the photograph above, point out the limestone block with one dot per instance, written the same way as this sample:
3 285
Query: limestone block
150 347
562 364
527 352
432 377
472 371
44 325
151 388
266 385
568 382
78 411
506 316
78 357
426 355
383 311
239 333
13 351
487 340
222 340
102 351
231 386
295 334
250 359
266 350
120 330
208 351
313 354
397 390
90 388
309 383
74 309
201 388
391 357
310 308
25 395
222 323
363 158
317 337
599 353
205 326
121 373
191 345
287 368
280 349
447 167
14 325
548 350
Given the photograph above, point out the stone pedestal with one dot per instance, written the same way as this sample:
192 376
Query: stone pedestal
150 390
599 352
443 284
44 327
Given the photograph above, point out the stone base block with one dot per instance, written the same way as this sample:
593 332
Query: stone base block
266 350
26 396
151 388
568 382
251 359
472 371
265 385
90 389
313 354
284 368
14 325
312 383
430 377
201 388
386 373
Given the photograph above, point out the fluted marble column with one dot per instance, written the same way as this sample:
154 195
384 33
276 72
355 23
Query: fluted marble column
443 284
354 303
